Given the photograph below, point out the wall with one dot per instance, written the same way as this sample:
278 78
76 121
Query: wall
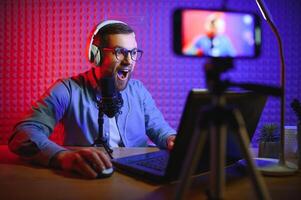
41 41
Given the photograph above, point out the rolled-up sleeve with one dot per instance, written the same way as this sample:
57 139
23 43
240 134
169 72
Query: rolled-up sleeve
30 135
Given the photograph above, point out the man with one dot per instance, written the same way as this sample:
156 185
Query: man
73 102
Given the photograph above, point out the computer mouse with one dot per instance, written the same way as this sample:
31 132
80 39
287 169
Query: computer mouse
105 173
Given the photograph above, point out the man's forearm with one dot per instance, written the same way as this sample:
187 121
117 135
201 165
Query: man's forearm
33 146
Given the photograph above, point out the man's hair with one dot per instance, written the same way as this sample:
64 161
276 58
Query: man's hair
101 38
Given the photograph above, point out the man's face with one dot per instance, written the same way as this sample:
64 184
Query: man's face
120 69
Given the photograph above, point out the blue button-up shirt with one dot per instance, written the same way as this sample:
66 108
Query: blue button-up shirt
72 102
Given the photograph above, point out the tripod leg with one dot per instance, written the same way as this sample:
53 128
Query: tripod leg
218 136
256 177
190 163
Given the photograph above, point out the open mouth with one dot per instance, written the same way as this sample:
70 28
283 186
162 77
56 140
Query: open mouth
123 74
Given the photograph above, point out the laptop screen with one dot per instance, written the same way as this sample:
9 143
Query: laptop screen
249 104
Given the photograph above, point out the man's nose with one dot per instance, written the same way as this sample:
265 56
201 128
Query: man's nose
128 58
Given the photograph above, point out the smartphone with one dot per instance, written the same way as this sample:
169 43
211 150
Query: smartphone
216 33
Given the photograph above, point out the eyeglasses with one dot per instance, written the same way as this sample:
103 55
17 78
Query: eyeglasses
121 53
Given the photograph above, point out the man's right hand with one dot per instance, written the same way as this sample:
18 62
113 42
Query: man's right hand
87 161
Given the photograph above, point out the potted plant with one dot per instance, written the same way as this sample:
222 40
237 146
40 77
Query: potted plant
269 141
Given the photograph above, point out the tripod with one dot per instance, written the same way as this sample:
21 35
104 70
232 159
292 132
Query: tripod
216 119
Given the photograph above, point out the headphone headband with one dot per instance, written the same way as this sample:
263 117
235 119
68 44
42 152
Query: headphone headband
99 26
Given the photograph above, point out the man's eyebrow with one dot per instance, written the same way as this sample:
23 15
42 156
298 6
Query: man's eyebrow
114 47
124 48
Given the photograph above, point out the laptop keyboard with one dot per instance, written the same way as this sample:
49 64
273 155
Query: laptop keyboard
157 163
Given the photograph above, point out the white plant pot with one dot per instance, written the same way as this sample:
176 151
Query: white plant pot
269 149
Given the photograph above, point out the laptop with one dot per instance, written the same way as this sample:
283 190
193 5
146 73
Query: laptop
165 166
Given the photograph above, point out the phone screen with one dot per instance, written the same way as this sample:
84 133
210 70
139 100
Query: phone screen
216 33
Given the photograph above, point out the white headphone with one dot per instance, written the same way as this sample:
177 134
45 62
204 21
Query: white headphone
94 55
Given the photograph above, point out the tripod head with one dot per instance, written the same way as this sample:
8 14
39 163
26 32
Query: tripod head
216 66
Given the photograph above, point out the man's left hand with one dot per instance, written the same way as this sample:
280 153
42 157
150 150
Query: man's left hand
170 141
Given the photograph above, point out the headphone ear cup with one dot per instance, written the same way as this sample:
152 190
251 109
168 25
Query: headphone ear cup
95 55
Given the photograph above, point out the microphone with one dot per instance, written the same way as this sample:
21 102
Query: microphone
111 100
